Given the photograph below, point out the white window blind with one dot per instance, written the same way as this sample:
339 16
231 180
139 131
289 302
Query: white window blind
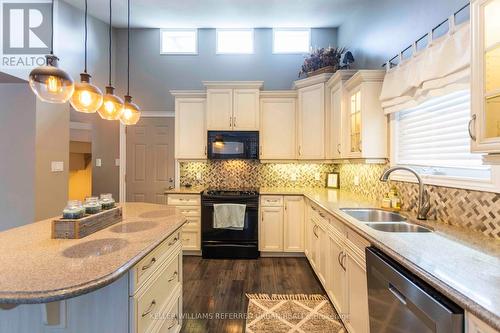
435 135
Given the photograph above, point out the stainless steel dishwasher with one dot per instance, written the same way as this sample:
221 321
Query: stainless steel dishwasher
400 302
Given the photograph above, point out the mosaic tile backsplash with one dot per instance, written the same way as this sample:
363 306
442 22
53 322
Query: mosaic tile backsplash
239 173
479 211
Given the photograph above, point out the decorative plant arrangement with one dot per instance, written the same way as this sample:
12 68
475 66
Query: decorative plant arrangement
326 60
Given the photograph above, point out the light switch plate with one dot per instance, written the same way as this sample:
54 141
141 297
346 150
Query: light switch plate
98 162
57 166
356 180
198 175
117 162
317 176
293 177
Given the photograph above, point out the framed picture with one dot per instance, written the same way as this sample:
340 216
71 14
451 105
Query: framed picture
333 180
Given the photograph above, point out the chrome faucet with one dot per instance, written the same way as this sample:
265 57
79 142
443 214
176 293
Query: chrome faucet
424 204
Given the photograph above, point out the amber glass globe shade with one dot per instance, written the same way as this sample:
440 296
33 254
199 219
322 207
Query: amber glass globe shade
87 98
50 83
131 112
112 105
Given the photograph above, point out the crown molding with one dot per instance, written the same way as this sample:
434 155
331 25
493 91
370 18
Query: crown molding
320 78
339 76
363 76
189 93
233 84
278 94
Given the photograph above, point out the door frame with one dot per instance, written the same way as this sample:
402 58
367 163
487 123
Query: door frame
123 150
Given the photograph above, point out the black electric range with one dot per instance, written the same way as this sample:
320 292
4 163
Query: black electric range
229 243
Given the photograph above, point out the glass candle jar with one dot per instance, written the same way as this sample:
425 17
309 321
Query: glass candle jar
92 205
107 201
73 210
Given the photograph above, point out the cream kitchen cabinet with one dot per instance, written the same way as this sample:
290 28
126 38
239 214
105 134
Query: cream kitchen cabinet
190 206
293 231
335 116
336 254
484 127
278 123
271 229
281 226
190 125
233 106
365 122
312 106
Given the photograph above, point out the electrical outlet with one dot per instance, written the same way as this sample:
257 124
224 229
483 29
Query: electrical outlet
198 175
356 180
293 177
98 162
317 176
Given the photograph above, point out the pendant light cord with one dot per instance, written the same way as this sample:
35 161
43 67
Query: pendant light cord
110 40
52 30
128 48
86 13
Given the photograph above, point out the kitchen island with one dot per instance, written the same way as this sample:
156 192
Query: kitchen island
110 279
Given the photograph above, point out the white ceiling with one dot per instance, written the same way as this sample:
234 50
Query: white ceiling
224 13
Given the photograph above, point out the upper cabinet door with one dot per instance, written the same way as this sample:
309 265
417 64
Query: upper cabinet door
278 128
311 132
246 109
220 109
190 130
335 145
485 86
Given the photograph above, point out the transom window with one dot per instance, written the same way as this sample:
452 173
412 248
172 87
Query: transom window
235 41
179 41
291 40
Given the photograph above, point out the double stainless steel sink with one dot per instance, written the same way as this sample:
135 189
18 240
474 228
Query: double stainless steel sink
382 220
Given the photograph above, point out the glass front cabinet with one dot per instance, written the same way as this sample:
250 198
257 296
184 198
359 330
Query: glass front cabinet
484 127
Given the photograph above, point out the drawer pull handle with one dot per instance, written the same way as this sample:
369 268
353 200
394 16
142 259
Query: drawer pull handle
151 263
174 322
173 241
150 309
173 277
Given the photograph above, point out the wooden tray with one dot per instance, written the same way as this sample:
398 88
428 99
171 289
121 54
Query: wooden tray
75 229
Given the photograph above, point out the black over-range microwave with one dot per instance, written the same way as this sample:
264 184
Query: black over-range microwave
227 145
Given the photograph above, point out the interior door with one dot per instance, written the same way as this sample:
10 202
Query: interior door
150 159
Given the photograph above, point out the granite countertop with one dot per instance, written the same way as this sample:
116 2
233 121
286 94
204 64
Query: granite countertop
461 264
38 269
186 190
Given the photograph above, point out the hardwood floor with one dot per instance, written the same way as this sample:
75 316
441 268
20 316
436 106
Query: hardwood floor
214 290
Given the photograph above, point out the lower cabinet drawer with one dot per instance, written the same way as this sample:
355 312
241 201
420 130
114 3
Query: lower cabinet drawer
151 262
146 305
191 239
192 223
183 200
171 318
190 211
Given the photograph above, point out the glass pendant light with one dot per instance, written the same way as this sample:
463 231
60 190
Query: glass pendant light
50 83
112 105
87 98
131 112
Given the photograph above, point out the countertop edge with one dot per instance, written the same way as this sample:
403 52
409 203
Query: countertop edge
81 289
465 302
